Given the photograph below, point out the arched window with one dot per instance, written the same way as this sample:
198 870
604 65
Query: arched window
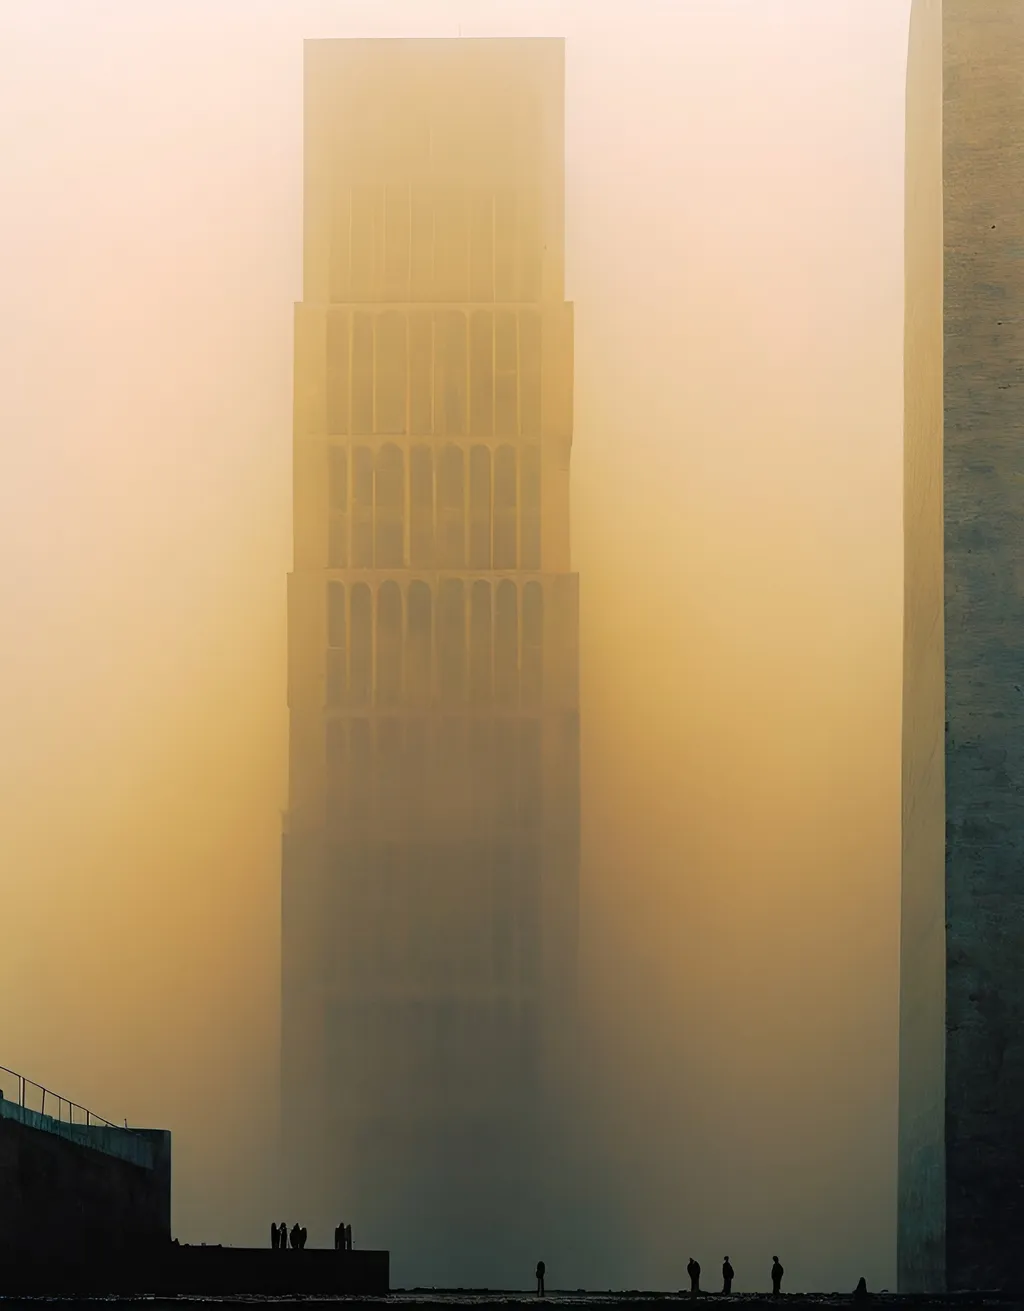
529 520
416 771
362 508
530 773
361 661
506 644
362 374
418 643
337 484
533 643
481 380
451 526
360 777
389 644
389 509
421 499
481 780
390 376
451 641
505 508
479 508
450 373
337 372
530 373
337 773
389 772
337 652
421 373
480 643
506 380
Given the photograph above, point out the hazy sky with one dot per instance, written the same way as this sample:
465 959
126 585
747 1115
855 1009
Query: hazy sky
734 231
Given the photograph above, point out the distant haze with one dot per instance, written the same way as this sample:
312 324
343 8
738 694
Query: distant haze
734 251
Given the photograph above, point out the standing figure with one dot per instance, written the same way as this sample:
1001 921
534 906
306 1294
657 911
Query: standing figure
302 1237
275 1237
348 1238
295 1236
541 1268
777 1273
727 1277
282 1235
693 1270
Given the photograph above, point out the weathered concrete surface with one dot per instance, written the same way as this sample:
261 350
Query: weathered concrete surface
921 1208
64 1202
984 631
981 466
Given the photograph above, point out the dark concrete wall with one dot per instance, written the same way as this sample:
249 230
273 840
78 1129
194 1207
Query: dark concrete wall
920 1233
983 164
62 1202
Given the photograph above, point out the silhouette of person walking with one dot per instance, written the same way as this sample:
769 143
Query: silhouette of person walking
860 1293
777 1273
295 1236
346 1241
282 1235
727 1277
541 1269
275 1237
302 1237
693 1270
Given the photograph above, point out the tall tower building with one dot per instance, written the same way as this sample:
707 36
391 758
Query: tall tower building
431 852
961 1167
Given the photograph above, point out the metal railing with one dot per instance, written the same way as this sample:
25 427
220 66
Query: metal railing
33 1096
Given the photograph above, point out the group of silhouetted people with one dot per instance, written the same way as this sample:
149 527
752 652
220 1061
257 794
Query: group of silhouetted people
729 1274
280 1237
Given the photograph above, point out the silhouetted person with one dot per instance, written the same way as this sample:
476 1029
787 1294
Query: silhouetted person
727 1277
541 1268
348 1238
296 1236
282 1235
302 1238
693 1270
860 1293
337 1237
777 1273
275 1237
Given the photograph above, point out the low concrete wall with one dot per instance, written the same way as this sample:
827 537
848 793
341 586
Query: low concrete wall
72 1194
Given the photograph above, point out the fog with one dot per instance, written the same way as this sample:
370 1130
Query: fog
734 252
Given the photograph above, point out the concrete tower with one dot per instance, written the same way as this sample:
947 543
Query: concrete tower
431 855
961 1186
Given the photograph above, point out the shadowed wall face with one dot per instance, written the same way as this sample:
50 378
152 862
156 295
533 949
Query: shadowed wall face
921 1213
432 847
983 157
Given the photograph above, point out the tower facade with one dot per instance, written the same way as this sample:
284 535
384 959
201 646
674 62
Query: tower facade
962 1003
431 852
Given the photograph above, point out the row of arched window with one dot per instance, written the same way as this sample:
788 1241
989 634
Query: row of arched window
440 242
437 513
412 775
441 372
473 643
